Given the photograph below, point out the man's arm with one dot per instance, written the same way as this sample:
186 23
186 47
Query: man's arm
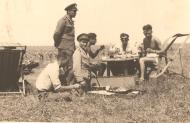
69 87
141 50
159 44
94 54
158 49
58 32
54 77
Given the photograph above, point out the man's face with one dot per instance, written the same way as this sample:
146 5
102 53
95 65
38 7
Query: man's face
83 43
147 33
124 40
72 13
92 41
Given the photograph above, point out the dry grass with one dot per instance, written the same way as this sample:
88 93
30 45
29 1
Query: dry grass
166 100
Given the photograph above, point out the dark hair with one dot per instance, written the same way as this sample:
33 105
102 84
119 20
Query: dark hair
92 35
123 35
147 27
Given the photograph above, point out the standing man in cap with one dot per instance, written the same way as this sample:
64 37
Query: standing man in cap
64 36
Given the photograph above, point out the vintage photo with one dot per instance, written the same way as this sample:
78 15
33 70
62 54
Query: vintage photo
95 61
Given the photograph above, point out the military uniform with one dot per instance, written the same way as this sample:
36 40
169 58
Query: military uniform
65 26
65 34
64 37
66 46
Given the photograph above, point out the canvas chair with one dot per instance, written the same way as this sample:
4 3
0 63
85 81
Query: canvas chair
11 72
163 54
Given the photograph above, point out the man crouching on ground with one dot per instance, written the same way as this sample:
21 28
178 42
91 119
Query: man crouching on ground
48 80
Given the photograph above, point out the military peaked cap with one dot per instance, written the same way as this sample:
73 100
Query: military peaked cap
72 6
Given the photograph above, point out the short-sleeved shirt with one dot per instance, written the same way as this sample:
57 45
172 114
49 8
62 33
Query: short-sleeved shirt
65 27
49 78
80 60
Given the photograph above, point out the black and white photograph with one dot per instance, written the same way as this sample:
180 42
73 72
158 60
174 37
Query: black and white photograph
95 61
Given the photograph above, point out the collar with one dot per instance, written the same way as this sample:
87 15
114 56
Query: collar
83 53
70 19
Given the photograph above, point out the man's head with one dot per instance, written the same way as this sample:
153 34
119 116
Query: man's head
71 10
147 30
124 38
83 40
92 38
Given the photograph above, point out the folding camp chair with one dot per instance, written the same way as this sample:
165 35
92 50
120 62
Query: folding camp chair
164 52
11 72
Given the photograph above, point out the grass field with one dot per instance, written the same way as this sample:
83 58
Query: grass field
165 100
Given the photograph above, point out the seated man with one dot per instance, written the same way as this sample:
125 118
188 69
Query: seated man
151 48
125 45
123 67
97 67
81 61
48 80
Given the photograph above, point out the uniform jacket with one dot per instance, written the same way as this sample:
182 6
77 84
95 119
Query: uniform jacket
65 27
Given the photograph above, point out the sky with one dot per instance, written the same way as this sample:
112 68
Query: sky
33 22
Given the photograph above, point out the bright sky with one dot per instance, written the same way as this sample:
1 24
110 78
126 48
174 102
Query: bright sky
32 22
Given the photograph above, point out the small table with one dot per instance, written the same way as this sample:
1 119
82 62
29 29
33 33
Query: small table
118 59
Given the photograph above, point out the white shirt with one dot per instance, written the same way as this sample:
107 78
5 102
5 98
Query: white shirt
128 48
131 46
49 77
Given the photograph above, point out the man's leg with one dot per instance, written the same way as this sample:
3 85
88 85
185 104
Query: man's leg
70 75
70 78
66 64
142 65
101 69
85 84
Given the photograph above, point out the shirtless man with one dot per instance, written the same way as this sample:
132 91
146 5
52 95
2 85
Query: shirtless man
151 48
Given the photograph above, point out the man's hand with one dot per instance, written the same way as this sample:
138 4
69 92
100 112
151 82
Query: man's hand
75 86
102 47
61 71
88 66
129 51
93 74
149 50
161 52
154 51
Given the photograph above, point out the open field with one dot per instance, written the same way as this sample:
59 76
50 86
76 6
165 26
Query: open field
165 100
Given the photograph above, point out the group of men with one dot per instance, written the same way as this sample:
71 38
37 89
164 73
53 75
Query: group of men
73 68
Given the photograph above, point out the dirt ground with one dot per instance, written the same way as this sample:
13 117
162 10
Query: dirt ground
165 100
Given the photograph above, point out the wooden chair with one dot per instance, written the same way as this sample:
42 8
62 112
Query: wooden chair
11 72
